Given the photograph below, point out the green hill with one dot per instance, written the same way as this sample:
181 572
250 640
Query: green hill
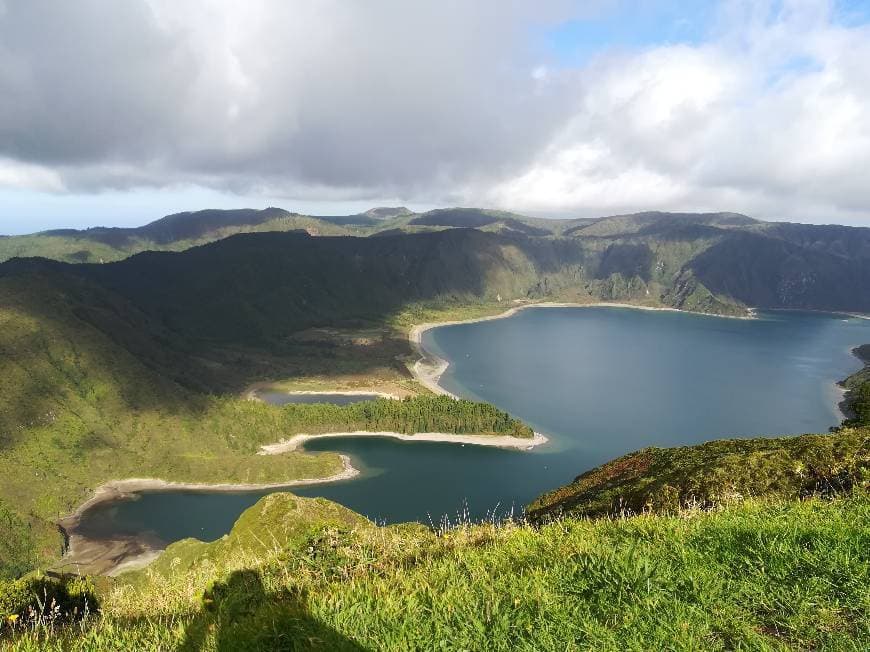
710 262
715 473
134 368
171 233
304 574
96 386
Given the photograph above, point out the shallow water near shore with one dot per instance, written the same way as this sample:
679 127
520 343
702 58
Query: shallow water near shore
599 382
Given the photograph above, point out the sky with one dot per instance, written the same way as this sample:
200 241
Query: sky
117 113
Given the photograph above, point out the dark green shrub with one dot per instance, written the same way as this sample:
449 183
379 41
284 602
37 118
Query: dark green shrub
37 597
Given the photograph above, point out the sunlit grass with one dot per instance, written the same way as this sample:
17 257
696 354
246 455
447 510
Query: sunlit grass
756 575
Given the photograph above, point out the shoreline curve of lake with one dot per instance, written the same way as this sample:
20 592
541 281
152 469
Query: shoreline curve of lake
497 441
429 367
110 556
622 380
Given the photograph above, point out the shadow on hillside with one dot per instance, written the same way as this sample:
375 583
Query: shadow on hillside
240 615
215 318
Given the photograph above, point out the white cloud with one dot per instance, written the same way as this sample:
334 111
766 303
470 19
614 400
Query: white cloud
436 103
24 176
769 119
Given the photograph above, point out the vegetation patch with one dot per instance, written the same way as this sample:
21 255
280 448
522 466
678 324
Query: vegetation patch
856 402
39 603
715 473
407 416
757 575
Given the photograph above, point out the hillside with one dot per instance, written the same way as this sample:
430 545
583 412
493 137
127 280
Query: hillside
94 387
856 401
80 408
306 574
670 479
171 233
708 262
133 368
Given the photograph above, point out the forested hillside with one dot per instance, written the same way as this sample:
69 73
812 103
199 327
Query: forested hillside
711 262
97 385
125 369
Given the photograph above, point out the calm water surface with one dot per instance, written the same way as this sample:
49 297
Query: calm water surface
600 382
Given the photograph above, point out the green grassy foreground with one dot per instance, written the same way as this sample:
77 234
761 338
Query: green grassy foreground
757 575
780 561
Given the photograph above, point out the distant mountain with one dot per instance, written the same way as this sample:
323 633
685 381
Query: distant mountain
373 218
174 228
192 226
658 222
475 218
257 288
710 262
171 233
184 230
386 213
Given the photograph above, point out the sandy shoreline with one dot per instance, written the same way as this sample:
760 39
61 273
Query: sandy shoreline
498 441
115 489
112 556
429 368
115 555
252 393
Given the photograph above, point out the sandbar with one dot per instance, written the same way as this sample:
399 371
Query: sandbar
499 441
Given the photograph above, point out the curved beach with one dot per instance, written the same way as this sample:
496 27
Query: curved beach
123 553
428 368
252 393
499 441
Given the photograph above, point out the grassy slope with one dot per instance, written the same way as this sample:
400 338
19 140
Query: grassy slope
84 248
714 473
80 410
757 575
93 389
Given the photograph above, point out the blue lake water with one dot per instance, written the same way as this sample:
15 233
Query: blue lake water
599 382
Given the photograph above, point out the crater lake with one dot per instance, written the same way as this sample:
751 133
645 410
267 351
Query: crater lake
598 382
